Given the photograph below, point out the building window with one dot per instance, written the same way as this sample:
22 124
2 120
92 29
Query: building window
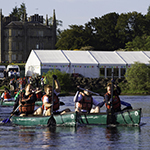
13 57
13 46
6 57
123 71
109 72
116 72
19 57
102 72
20 45
37 46
13 33
40 33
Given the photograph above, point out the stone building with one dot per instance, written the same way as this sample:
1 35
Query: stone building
18 38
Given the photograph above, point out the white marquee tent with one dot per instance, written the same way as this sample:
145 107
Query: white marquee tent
91 64
40 61
82 62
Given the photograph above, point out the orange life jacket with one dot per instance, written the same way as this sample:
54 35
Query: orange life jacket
55 104
116 104
27 107
86 102
7 96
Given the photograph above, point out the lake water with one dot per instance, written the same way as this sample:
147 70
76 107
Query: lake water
83 138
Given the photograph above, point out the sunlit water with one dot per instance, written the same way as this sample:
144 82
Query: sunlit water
81 138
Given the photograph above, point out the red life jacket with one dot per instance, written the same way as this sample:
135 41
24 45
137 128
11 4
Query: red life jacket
56 102
116 104
86 102
6 96
27 107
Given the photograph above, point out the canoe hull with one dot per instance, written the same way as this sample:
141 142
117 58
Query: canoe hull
68 119
11 103
128 117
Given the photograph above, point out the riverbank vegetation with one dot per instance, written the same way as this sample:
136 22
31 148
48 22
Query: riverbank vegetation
135 81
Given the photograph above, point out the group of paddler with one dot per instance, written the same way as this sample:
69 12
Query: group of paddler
26 98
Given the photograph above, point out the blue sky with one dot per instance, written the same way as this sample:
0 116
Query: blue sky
76 12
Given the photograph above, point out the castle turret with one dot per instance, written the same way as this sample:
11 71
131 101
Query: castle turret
47 20
1 37
54 26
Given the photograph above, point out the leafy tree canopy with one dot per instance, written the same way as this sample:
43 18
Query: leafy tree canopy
138 77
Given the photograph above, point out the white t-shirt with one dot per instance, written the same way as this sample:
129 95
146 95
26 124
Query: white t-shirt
46 100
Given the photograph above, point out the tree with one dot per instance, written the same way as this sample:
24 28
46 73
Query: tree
73 38
138 78
129 26
103 32
19 12
139 44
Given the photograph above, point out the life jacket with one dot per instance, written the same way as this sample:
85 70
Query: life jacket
39 96
55 104
7 96
116 104
86 102
27 107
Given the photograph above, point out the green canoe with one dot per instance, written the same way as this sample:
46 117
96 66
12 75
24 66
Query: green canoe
11 103
127 117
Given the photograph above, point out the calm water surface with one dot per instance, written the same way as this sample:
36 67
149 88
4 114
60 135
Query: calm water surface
83 138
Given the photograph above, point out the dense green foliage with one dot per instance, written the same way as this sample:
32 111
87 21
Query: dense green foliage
109 32
138 79
63 78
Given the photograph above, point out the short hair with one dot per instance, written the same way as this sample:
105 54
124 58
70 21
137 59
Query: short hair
46 87
109 84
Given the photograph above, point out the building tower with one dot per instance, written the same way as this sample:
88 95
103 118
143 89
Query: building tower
54 27
1 37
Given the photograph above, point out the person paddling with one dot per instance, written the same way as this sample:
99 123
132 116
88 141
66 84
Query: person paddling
27 101
47 100
84 102
116 103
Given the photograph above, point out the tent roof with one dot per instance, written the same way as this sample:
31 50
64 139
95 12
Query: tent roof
51 56
80 57
133 56
108 58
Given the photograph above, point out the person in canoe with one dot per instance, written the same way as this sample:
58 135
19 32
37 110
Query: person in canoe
47 100
116 103
27 101
6 96
84 102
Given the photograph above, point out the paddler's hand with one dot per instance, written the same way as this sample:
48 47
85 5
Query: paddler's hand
22 103
55 77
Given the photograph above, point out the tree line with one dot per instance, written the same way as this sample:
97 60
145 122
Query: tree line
129 31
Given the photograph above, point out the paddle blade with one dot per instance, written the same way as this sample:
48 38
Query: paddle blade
51 122
6 120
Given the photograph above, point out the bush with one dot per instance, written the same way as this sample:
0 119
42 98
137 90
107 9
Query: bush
63 78
138 77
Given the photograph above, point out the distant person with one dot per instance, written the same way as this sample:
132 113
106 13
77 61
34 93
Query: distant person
6 96
116 103
5 73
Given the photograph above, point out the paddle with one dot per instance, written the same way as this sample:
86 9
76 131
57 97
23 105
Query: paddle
8 119
51 121
89 91
110 112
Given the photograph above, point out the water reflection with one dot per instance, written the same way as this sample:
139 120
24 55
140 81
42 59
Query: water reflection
115 135
112 134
